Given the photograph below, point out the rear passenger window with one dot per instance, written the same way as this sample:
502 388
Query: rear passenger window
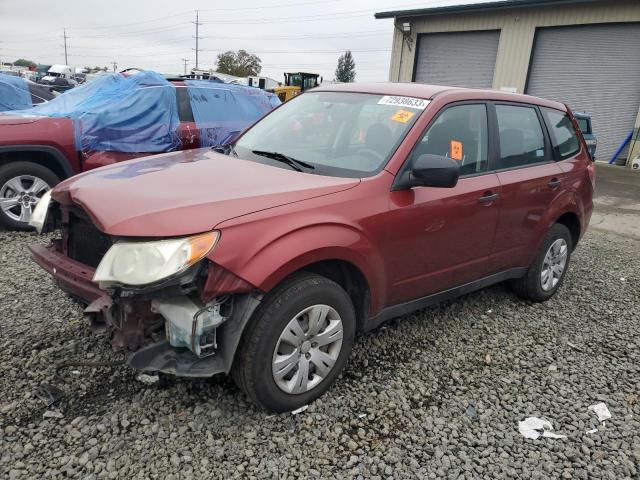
521 137
563 136
460 133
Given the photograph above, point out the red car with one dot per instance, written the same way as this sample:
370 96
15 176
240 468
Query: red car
347 206
114 118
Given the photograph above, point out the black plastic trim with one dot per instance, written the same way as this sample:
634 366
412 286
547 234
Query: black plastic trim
60 159
404 308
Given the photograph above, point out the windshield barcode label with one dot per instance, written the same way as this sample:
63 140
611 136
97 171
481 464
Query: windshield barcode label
409 102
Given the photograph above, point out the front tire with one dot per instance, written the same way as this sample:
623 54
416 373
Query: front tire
296 344
22 184
546 274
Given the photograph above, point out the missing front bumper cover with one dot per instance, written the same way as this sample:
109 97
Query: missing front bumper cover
190 325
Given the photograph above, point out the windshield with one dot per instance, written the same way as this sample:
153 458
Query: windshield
338 133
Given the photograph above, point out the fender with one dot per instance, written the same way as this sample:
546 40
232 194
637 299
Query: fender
60 160
566 202
298 248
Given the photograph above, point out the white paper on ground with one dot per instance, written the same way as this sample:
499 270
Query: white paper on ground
300 410
601 410
534 428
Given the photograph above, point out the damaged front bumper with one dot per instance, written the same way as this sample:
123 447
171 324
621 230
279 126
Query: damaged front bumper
167 328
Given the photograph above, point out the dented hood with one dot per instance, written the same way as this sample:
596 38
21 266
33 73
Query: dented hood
183 193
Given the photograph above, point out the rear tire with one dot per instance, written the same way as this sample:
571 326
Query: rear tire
24 181
546 274
281 364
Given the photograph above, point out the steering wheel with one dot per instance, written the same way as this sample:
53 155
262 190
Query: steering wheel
371 152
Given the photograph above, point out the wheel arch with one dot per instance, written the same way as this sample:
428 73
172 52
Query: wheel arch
571 220
350 278
44 155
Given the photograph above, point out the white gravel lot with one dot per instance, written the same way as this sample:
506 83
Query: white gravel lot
437 394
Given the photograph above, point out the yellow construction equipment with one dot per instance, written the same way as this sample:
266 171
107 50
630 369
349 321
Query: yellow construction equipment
296 83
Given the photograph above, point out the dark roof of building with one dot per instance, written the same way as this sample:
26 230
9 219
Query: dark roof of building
474 7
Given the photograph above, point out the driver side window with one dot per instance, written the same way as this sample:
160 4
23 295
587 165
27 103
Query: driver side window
460 133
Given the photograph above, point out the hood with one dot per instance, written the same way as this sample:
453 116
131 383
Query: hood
184 193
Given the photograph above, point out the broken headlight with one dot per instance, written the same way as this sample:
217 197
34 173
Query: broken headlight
142 263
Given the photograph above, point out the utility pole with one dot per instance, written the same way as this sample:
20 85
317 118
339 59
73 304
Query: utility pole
115 66
185 61
197 23
64 35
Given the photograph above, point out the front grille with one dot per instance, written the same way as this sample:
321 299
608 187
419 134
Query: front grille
86 244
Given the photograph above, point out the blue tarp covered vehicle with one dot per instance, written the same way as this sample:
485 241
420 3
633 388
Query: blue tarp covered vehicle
17 93
145 113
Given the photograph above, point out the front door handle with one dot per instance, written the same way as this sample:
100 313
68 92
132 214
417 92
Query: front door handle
554 182
488 197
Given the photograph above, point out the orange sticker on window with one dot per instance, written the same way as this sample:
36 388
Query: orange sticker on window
455 150
402 116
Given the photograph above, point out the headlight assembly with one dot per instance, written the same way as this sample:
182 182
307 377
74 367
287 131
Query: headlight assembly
142 263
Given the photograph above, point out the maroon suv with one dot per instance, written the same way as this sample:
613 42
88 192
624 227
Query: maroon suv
345 207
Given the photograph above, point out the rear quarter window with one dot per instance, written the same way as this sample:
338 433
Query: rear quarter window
564 139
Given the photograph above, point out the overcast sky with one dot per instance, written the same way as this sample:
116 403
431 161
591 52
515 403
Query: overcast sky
289 35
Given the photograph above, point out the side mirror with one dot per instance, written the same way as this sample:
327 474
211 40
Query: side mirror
429 171
434 171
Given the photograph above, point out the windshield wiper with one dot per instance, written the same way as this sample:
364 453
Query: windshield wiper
298 165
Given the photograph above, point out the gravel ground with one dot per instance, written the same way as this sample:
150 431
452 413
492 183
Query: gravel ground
438 394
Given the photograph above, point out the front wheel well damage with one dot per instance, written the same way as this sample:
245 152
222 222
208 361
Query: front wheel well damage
572 222
351 279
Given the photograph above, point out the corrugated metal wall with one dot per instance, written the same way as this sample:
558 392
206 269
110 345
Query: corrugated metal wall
602 79
461 59
518 27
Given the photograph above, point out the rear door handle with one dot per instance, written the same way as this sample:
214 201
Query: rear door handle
488 197
554 182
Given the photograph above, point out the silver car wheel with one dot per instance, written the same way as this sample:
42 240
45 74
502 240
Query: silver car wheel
307 349
19 195
554 263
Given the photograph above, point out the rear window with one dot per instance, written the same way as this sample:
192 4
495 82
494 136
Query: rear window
564 139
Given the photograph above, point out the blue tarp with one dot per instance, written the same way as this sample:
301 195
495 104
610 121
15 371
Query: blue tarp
14 93
222 111
138 113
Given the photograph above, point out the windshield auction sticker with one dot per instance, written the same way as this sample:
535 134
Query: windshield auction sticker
409 102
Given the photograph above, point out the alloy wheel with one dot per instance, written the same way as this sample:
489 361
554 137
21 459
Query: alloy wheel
19 196
307 349
554 263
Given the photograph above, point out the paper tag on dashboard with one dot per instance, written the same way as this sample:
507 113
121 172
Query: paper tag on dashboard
409 102
455 150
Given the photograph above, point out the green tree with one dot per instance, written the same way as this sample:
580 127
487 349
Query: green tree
239 64
23 62
346 71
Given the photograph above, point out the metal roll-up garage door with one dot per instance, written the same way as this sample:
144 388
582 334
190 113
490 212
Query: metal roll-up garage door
594 69
461 59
